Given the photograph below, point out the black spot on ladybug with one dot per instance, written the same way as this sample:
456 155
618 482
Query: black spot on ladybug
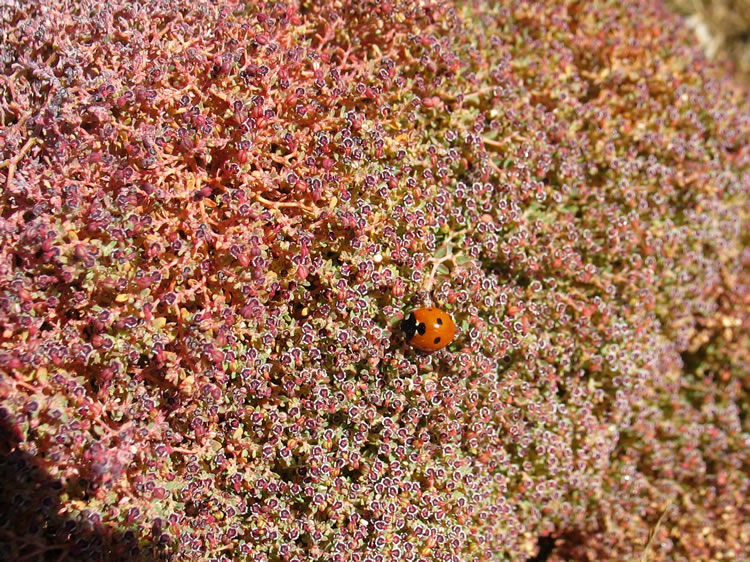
437 340
409 326
439 321
422 328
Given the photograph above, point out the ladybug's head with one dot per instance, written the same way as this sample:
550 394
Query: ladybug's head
409 326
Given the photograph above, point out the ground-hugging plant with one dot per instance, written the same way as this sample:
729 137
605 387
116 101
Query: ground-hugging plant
215 214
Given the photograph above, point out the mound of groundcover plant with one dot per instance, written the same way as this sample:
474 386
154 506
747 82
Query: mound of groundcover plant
215 215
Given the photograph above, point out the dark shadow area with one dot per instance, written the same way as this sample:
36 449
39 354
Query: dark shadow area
31 528
546 546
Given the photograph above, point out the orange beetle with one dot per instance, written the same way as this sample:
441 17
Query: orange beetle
428 329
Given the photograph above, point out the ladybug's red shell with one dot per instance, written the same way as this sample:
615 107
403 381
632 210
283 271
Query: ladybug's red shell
428 329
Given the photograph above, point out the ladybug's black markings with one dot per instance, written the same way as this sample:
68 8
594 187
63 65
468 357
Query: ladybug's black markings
421 328
439 323
437 340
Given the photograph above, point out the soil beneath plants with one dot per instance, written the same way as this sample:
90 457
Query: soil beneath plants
723 30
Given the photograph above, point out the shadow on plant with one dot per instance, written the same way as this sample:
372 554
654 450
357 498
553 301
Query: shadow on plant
31 528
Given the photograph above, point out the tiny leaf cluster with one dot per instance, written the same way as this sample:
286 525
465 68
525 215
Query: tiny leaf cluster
214 215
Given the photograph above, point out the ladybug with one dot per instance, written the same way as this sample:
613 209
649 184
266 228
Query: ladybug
428 329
